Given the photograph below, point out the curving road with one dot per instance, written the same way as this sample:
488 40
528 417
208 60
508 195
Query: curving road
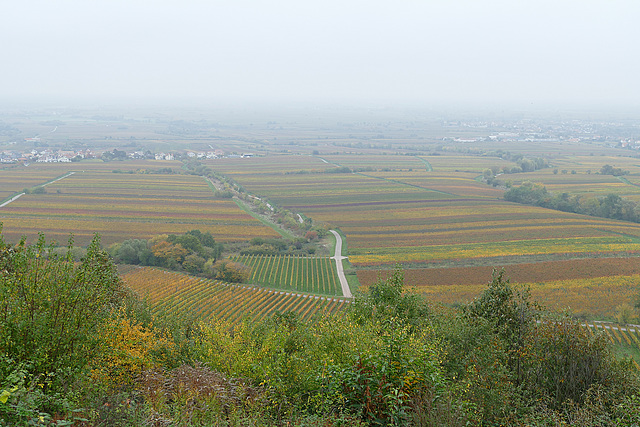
338 257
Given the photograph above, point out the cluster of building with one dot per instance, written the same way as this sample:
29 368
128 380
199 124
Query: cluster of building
44 156
63 156
215 154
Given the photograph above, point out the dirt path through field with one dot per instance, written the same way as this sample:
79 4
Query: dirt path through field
338 257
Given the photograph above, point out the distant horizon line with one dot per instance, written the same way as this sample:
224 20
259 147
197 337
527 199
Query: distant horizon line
282 105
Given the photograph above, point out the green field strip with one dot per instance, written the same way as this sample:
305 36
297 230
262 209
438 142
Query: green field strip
295 271
274 270
280 275
427 165
323 277
336 288
255 263
307 274
626 181
275 227
256 269
264 268
398 182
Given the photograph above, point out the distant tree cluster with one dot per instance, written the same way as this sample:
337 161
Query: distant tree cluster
194 167
609 206
277 246
524 164
194 252
610 170
36 190
340 169
116 154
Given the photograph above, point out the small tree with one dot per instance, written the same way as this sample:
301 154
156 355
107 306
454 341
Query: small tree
562 361
228 271
387 299
511 312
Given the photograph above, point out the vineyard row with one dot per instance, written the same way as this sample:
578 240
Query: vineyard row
181 294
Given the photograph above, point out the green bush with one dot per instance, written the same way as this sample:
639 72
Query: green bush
53 310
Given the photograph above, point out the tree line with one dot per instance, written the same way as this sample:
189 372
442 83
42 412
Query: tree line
609 206
194 252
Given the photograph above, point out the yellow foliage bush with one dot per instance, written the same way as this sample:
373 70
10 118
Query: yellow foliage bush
128 349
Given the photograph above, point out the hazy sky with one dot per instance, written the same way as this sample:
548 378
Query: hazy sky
421 52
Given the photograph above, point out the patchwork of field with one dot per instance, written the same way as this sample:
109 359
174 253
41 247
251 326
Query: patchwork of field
465 163
594 298
538 272
268 165
419 211
326 190
591 287
396 162
301 274
15 180
457 183
182 294
580 176
122 206
433 217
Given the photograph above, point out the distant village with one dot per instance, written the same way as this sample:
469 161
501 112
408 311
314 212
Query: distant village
62 156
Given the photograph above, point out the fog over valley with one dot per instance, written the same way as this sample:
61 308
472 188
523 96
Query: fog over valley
461 53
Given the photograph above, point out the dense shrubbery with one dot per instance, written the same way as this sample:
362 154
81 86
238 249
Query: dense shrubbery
189 252
279 246
75 346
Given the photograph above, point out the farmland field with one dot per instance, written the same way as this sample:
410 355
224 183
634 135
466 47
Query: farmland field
594 298
433 217
182 294
537 272
415 198
302 274
124 206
